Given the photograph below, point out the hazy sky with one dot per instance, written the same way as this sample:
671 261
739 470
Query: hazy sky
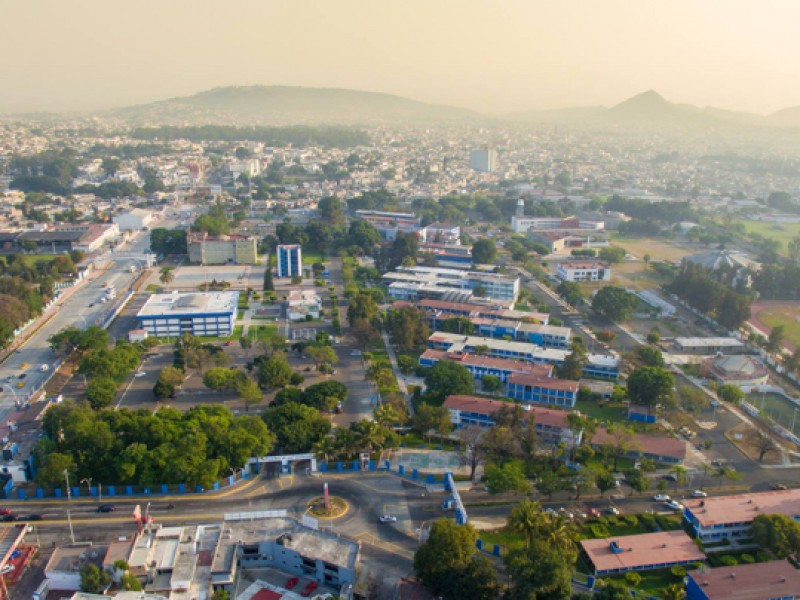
490 55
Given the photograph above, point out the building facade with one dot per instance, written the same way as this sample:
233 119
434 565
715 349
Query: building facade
201 314
224 249
290 260
583 271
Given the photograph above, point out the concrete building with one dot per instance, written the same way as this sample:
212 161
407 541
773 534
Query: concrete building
389 224
134 220
718 517
440 233
551 425
444 310
224 249
522 224
63 570
198 313
583 271
290 260
483 159
709 345
416 283
542 390
641 552
773 580
302 303
739 370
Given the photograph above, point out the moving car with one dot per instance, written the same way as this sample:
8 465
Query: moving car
139 374
387 519
106 508
779 486
661 498
698 494
44 368
31 517
24 366
612 510
674 505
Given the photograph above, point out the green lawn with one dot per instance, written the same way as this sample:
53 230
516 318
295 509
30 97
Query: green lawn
32 259
309 258
653 582
782 232
605 411
785 315
254 331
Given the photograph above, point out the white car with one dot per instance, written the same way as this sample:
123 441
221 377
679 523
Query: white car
44 368
674 505
355 353
612 510
387 519
698 494
661 498
140 374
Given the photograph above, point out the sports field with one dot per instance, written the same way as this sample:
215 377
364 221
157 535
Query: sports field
778 407
766 315
783 232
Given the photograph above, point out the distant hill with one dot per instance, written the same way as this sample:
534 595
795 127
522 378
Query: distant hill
788 117
278 105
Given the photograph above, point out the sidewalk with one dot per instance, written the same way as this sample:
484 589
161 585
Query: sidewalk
401 381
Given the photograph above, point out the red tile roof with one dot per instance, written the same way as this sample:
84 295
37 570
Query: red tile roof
774 579
657 445
486 406
483 361
743 508
643 550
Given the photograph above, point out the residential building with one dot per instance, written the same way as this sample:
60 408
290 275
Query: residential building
718 517
583 271
290 260
709 345
551 425
134 220
483 159
303 303
63 570
198 313
224 249
642 552
773 580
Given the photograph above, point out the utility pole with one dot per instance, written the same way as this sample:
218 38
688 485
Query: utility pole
69 493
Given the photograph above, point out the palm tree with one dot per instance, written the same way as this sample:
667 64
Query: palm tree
681 476
166 276
526 518
559 533
325 448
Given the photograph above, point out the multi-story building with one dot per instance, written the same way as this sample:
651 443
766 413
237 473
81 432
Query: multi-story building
551 425
522 224
478 366
583 271
483 159
201 314
290 260
445 310
440 233
542 390
729 517
415 283
224 249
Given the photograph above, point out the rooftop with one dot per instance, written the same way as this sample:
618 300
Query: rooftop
642 551
574 264
73 558
482 361
743 508
693 342
657 445
486 406
738 366
762 581
459 341
545 382
190 303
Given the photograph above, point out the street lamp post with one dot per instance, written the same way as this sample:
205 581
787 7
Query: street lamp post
69 493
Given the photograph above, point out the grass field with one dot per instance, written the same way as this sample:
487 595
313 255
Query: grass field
657 249
309 258
782 232
774 314
605 411
32 259
779 408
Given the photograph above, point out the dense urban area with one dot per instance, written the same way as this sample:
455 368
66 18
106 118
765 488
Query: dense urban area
432 359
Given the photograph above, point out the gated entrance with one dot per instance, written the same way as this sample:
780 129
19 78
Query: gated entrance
282 465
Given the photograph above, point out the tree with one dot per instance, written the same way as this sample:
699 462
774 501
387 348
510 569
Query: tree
526 518
614 303
249 391
322 355
269 285
651 356
637 480
408 327
775 339
429 418
362 306
484 251
611 590
51 472
331 211
650 386
460 325
794 249
297 427
491 384
166 275
101 392
274 372
325 396
777 533
612 254
762 442
471 452
508 478
572 367
447 378
406 364
364 333
730 393
129 582
571 292
444 557
93 579
169 380
604 480
539 571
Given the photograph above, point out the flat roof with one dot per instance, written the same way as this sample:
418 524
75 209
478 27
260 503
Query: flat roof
544 382
73 558
178 304
459 341
708 341
656 445
646 550
743 508
10 538
762 581
481 361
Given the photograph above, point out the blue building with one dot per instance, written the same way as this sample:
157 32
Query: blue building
538 390
197 313
290 260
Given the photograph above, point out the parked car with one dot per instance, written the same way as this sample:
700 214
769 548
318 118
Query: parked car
593 512
106 508
612 510
387 519
5 511
24 366
6 518
23 375
661 498
698 494
674 505
779 486
229 343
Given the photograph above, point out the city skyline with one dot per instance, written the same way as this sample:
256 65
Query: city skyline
517 56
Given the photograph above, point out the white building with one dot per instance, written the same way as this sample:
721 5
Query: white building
583 271
134 220
198 313
301 303
483 159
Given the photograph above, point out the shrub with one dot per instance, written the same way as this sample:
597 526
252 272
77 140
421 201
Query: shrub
296 379
747 559
631 520
599 531
633 579
728 561
762 556
678 572
648 521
